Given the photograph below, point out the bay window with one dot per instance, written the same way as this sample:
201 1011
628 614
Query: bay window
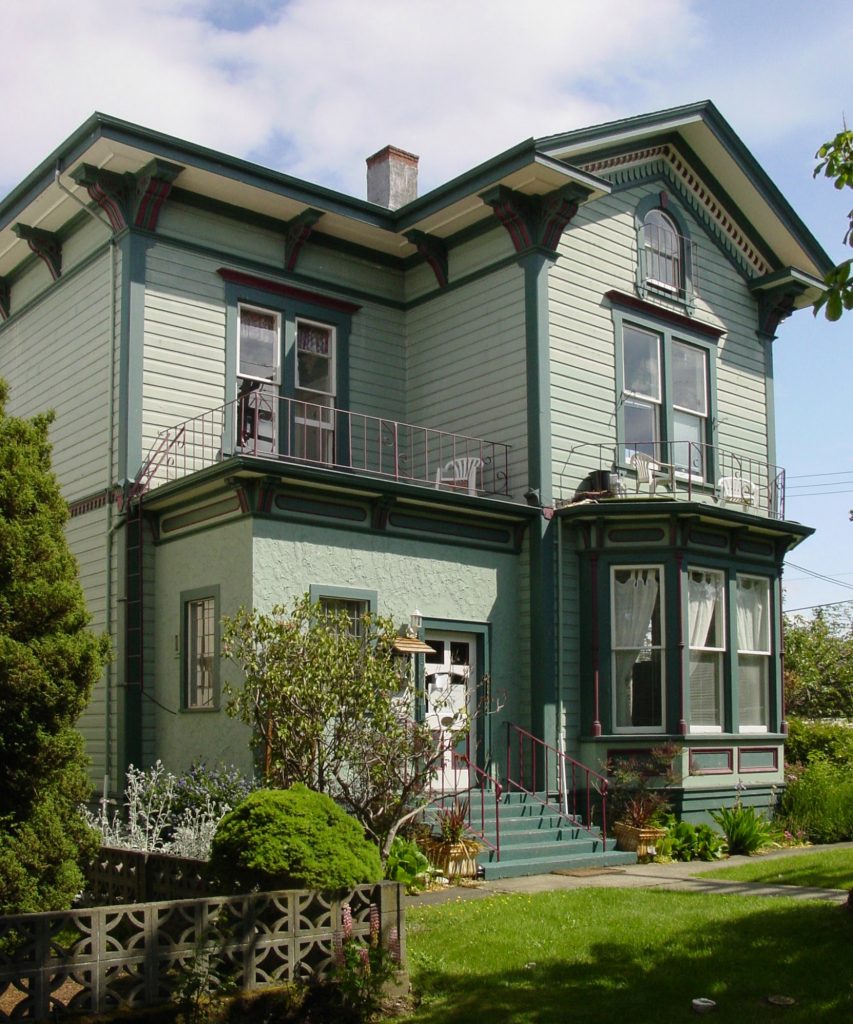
638 649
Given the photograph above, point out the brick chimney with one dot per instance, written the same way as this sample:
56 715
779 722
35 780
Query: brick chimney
392 177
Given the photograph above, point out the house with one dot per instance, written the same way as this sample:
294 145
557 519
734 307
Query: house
534 405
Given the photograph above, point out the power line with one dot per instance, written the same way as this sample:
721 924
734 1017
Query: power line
820 576
815 494
809 476
809 607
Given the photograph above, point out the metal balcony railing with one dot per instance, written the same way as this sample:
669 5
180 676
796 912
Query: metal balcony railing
682 470
289 430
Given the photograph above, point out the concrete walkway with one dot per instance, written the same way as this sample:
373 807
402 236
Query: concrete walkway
676 877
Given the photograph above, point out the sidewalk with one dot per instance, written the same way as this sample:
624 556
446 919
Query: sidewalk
676 877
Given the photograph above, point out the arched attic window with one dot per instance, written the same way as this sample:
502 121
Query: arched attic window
666 264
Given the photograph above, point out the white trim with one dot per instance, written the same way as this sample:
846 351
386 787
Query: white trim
661 648
332 357
276 315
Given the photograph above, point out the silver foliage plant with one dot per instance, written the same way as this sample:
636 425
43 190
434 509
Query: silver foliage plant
153 822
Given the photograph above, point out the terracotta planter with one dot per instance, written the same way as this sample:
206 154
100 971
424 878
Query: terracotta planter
643 838
454 860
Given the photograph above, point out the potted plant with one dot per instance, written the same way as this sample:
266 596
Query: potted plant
452 851
639 798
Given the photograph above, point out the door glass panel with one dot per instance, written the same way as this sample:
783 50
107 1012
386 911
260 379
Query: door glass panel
641 428
689 390
258 344
688 450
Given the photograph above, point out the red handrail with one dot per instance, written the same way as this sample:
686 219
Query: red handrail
531 752
485 784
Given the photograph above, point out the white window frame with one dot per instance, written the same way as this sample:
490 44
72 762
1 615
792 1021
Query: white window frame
765 654
719 651
276 315
661 648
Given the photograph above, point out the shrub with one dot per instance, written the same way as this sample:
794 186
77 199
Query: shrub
818 801
832 739
292 839
746 831
685 841
408 864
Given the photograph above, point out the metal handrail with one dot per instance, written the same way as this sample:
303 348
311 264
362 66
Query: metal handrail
684 468
269 426
565 783
485 783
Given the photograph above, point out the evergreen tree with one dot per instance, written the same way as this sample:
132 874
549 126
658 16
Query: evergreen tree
49 661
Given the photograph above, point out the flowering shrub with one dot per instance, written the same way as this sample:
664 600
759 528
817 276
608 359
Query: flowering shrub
818 801
361 971
168 814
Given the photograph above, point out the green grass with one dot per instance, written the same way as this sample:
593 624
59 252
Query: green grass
825 869
600 955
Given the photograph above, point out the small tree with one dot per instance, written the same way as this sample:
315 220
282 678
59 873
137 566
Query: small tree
334 708
49 661
819 664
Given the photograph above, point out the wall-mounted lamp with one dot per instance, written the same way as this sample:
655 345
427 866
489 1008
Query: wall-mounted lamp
532 498
416 620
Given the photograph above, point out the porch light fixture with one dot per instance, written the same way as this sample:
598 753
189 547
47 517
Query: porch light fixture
416 620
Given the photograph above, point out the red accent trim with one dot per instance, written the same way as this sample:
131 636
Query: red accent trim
754 750
109 206
279 288
661 313
713 750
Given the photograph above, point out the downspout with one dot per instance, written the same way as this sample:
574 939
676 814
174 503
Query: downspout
111 526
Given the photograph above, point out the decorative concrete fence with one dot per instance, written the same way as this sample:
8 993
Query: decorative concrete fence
122 957
131 876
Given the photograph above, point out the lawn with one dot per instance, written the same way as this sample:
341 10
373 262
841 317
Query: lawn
638 956
825 869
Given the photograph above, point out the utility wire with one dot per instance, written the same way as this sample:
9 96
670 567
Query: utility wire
820 576
809 607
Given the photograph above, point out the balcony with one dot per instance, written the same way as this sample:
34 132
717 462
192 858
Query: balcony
678 470
285 430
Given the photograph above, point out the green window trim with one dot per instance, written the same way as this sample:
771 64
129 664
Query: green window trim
670 336
200 641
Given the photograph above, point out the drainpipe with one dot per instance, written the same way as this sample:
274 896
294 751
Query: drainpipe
561 748
111 526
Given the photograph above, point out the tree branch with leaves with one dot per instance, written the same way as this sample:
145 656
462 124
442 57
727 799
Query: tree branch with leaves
836 162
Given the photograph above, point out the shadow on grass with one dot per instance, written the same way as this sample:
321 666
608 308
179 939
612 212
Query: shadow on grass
734 950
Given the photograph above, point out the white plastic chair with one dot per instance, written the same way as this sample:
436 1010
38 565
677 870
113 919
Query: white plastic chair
736 488
648 471
458 472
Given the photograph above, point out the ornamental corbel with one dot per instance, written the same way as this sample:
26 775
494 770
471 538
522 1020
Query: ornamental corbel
297 233
5 299
535 222
45 244
434 251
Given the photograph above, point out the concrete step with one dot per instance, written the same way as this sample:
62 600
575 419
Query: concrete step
545 865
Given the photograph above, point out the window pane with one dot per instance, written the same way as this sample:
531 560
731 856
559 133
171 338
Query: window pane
353 609
705 676
688 448
689 390
641 428
641 352
753 680
314 350
662 250
753 614
258 343
639 683
200 633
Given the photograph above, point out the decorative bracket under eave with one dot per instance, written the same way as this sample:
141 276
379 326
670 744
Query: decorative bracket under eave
45 244
5 299
297 233
130 200
434 251
774 306
535 222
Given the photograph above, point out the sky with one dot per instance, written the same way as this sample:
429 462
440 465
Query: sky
313 87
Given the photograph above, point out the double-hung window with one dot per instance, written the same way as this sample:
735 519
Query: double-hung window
706 623
662 253
665 400
638 647
355 610
753 642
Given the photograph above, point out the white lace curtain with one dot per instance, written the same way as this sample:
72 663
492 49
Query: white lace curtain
703 593
752 615
635 602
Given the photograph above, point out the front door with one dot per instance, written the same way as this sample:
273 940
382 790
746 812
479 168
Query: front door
449 693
